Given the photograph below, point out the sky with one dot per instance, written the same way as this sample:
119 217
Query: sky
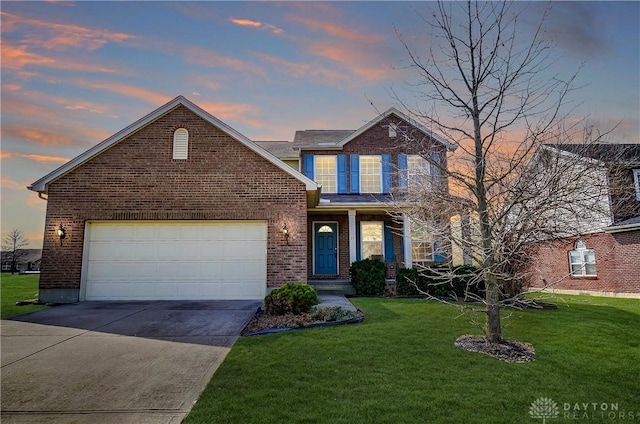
75 73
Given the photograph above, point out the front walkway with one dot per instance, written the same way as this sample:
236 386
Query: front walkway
327 300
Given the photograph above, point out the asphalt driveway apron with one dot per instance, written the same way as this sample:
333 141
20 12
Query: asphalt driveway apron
115 362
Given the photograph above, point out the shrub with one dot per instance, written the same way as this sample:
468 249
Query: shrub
291 298
405 277
426 281
332 313
368 277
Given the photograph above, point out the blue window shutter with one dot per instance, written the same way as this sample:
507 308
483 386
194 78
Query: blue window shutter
435 166
358 238
354 174
403 171
438 254
389 251
342 173
386 173
308 166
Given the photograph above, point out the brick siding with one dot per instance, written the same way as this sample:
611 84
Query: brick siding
137 179
376 141
617 263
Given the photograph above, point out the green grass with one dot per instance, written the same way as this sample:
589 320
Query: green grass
400 366
18 287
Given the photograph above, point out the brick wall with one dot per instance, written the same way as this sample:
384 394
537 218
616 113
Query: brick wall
343 240
376 141
617 263
137 179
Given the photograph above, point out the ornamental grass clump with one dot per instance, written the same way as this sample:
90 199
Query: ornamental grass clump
291 298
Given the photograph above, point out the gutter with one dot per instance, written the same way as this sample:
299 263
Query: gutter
621 228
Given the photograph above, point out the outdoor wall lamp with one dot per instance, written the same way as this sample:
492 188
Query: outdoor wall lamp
61 233
285 233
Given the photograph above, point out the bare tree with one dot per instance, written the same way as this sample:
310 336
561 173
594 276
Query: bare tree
489 91
13 248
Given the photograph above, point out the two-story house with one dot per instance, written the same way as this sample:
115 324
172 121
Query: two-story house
605 256
178 205
359 171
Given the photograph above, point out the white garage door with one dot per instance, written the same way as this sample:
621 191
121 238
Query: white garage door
175 260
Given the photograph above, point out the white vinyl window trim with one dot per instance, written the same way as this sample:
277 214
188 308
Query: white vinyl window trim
326 172
370 174
181 143
582 261
636 182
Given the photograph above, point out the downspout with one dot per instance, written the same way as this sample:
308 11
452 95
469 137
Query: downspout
40 196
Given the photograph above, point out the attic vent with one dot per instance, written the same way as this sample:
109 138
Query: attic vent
180 143
393 130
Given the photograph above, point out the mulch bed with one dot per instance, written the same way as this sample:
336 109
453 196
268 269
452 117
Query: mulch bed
263 322
507 350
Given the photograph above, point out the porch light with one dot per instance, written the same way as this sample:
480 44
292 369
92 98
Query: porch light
61 233
285 233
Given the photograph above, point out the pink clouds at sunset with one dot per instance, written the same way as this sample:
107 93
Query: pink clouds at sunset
75 73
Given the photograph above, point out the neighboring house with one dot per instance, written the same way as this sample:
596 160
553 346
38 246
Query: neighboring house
606 257
28 260
179 205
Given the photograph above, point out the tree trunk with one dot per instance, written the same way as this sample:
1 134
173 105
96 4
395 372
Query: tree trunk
494 330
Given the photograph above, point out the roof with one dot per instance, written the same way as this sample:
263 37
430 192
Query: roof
28 255
280 149
42 185
320 138
336 139
626 153
630 224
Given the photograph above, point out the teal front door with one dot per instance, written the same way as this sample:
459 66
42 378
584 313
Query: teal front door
326 248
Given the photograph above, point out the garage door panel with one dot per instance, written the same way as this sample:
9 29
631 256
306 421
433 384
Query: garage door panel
176 260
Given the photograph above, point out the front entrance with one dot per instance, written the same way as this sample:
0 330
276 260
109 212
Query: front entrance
325 248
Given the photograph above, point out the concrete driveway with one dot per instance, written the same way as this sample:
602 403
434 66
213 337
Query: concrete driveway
115 362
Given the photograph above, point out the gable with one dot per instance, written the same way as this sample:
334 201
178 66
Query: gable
406 129
179 102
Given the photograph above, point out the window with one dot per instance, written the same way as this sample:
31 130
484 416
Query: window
393 130
371 239
325 173
180 143
325 229
370 174
421 243
582 261
636 180
418 171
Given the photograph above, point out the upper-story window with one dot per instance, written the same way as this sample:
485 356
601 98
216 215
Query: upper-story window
181 143
418 171
370 174
393 130
636 181
582 261
326 173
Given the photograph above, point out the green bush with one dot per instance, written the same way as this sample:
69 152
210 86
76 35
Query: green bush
291 298
426 281
332 313
368 277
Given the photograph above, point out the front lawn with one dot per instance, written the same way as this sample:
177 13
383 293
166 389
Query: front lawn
400 366
18 287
